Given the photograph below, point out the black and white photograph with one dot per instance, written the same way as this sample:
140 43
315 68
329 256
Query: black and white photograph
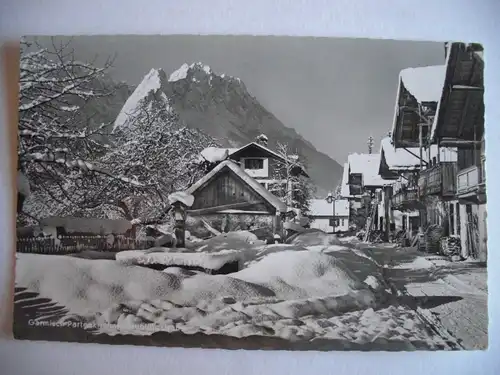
251 192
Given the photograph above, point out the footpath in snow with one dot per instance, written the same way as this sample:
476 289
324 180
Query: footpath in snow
451 295
313 290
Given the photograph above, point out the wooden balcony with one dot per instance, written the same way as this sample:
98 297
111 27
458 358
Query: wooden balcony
438 180
405 200
470 182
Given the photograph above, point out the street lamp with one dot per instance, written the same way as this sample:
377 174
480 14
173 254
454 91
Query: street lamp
331 200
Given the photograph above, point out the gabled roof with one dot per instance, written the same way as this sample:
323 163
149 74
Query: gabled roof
320 207
247 179
269 153
215 154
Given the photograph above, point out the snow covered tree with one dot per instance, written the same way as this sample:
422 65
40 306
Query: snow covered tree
58 142
370 144
160 154
292 187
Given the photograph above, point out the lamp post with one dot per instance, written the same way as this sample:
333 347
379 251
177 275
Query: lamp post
331 200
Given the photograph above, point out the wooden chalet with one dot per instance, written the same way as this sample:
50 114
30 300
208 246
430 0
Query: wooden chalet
459 123
417 100
266 166
228 198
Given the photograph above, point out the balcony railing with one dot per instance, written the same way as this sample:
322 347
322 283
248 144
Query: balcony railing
438 180
469 180
405 200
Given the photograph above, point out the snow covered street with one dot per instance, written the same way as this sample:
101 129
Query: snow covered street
452 296
316 291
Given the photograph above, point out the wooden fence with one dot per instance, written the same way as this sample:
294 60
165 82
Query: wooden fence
75 244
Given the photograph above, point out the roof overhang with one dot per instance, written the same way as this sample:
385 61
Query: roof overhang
460 114
410 113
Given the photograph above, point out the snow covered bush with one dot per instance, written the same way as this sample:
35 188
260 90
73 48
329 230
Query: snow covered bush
159 152
74 166
295 190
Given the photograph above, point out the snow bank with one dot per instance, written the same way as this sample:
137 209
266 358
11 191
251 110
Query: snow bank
211 261
181 196
238 240
417 263
151 82
314 238
300 274
286 291
89 286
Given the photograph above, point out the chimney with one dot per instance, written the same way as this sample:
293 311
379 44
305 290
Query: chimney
262 140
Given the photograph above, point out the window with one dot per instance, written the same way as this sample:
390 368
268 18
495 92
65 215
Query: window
334 221
343 222
254 163
457 212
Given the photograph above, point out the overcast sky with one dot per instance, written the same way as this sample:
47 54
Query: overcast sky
335 92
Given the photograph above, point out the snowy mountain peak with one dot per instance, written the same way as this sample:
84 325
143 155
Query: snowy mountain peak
150 83
182 72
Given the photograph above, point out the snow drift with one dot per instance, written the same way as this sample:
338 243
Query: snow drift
209 261
292 291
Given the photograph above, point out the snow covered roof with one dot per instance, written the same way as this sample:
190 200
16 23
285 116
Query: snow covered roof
262 147
399 159
424 83
218 153
151 82
320 207
368 166
250 181
181 196
214 154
